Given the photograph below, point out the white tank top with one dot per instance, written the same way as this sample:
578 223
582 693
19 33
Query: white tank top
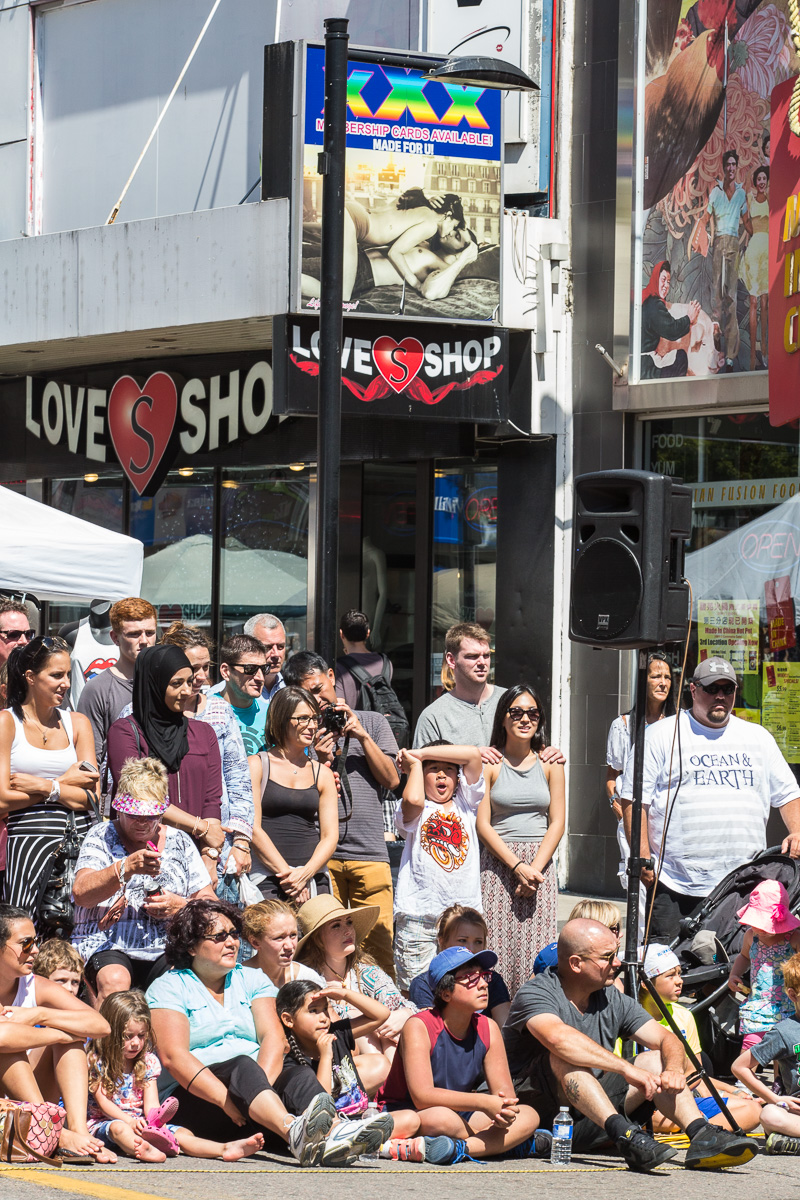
26 992
38 760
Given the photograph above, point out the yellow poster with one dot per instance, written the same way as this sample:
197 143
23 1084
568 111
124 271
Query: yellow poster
780 706
729 628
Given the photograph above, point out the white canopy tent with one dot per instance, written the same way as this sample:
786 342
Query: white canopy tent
53 556
737 566
180 574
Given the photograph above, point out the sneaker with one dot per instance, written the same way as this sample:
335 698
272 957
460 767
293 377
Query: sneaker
713 1147
538 1145
642 1152
405 1149
781 1143
307 1133
446 1152
350 1139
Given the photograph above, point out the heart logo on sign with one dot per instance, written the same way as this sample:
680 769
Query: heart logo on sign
141 421
398 362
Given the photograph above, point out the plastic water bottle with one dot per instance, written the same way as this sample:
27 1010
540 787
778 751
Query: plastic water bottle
561 1149
371 1110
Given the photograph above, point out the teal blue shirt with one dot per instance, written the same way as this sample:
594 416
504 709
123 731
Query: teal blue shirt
252 722
217 1032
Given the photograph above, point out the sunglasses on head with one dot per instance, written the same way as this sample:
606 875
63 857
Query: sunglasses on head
250 669
719 689
516 713
14 635
221 936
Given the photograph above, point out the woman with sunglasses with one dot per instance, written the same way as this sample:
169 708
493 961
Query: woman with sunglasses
202 705
42 1035
520 823
158 727
221 1043
41 781
296 823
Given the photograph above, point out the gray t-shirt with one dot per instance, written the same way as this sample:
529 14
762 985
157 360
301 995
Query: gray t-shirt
102 701
783 1043
361 828
451 720
609 1016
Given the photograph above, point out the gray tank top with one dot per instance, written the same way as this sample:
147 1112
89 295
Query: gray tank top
519 802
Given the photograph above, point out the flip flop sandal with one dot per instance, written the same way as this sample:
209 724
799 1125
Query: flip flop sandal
163 1114
163 1140
75 1159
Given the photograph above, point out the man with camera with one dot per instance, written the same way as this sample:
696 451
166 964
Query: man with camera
706 797
360 746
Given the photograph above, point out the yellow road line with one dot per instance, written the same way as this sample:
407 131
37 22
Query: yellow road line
80 1187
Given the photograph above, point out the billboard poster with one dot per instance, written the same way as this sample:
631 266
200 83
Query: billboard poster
730 629
423 194
701 300
784 260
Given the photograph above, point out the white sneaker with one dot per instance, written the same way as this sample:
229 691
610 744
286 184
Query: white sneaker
307 1133
349 1139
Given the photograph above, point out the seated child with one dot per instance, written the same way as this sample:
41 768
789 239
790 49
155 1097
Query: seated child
663 967
322 1054
441 855
460 926
123 1094
773 936
780 1116
59 960
442 1057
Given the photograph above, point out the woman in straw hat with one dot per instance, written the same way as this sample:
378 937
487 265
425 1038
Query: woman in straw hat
330 943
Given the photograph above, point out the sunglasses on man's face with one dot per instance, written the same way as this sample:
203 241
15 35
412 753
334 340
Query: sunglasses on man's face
251 669
474 978
14 635
718 689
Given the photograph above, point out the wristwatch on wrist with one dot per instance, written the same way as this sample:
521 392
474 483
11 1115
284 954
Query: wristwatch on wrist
209 852
55 793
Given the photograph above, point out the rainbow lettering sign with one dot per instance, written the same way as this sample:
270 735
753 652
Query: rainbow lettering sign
397 110
423 194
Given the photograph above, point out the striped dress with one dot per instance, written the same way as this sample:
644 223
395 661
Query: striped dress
33 833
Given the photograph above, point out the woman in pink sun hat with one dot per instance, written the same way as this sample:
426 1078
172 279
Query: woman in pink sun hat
772 938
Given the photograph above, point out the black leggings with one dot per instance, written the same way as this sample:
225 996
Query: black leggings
245 1080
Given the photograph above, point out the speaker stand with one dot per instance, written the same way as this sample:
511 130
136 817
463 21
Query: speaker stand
634 970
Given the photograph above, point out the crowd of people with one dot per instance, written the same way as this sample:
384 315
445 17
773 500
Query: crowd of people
236 970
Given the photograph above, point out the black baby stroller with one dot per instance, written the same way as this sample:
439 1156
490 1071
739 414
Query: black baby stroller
710 939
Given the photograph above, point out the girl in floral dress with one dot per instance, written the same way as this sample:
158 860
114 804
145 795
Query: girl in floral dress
772 938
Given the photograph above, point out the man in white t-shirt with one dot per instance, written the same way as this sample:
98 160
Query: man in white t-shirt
720 778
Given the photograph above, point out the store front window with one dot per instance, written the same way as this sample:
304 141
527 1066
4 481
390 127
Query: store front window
177 526
464 552
743 558
100 501
264 553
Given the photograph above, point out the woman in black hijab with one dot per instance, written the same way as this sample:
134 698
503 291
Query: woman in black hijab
162 687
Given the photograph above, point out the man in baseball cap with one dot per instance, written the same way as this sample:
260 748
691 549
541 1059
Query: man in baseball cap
719 779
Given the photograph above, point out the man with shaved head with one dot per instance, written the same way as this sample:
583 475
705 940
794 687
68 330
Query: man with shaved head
560 1036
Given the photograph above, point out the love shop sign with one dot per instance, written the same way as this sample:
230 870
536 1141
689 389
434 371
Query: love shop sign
147 420
416 371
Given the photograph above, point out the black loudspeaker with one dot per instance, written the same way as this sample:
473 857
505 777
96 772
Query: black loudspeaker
627 569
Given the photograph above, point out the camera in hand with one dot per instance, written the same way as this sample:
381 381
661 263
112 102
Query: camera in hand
332 720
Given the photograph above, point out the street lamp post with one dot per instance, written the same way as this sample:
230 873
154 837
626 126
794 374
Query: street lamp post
475 72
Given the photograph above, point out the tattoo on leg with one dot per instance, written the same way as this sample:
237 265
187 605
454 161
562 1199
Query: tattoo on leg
572 1089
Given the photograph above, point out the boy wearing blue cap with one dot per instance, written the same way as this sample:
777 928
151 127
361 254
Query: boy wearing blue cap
442 1055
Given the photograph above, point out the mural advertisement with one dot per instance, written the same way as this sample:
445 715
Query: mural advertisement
702 301
423 194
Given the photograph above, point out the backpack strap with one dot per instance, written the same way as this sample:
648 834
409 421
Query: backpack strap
135 727
264 756
358 672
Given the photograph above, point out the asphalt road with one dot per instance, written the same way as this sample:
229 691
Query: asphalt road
267 1177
